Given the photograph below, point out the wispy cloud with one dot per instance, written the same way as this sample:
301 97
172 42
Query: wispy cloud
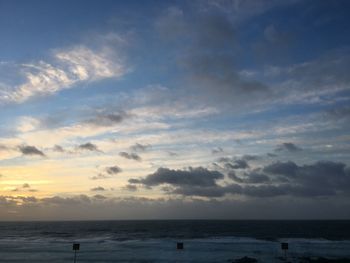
64 70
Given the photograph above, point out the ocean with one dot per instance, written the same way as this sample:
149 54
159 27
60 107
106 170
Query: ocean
155 241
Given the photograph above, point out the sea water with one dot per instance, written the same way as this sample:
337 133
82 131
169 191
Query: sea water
155 241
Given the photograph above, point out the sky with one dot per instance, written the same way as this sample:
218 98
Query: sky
208 109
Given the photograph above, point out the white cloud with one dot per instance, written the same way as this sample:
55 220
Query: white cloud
66 68
26 124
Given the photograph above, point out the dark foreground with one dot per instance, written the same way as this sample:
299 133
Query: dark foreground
155 241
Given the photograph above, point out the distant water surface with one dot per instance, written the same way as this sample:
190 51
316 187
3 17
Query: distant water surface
155 241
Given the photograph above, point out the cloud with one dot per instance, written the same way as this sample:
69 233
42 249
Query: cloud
198 176
272 155
58 148
99 197
81 207
140 147
113 169
217 150
66 68
339 113
242 10
323 178
210 58
108 119
30 150
231 163
250 177
130 187
288 146
130 156
315 81
249 157
88 147
97 189
3 147
287 169
255 177
232 175
100 176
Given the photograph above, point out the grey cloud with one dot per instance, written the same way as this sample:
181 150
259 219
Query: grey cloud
88 147
212 191
216 78
213 31
99 197
58 148
274 44
207 191
108 119
249 157
3 147
237 164
256 177
30 150
130 187
140 147
288 146
198 176
234 163
84 207
320 178
272 155
288 169
315 80
100 176
70 201
242 10
340 113
217 150
251 177
97 189
324 178
130 156
171 24
209 59
134 181
232 175
266 190
113 169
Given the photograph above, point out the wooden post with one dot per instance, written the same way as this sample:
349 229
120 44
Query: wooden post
284 247
76 247
179 245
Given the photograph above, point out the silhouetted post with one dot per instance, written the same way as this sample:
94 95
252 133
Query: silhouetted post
76 247
284 247
179 245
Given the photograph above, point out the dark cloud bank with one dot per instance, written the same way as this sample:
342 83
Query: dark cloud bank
320 179
99 207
